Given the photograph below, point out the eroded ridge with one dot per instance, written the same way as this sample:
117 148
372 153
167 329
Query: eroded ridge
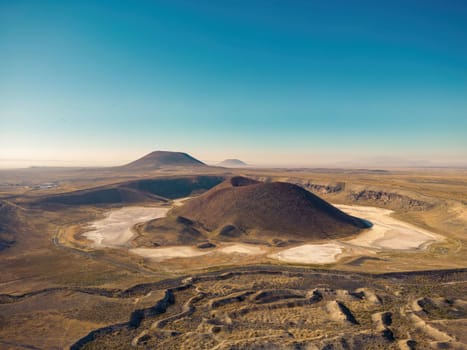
274 308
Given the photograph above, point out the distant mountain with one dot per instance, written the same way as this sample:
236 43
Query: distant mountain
161 159
232 163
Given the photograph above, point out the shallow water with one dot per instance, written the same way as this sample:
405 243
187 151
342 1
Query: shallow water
387 233
115 229
242 248
165 253
310 254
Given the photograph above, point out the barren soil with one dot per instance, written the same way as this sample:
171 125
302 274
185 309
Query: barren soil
402 290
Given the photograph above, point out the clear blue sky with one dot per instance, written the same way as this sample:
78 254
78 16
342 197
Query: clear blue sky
272 82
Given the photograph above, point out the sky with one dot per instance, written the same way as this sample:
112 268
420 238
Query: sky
284 83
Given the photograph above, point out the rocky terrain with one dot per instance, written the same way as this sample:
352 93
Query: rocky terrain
260 308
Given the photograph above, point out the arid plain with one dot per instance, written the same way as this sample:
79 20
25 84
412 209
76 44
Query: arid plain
168 253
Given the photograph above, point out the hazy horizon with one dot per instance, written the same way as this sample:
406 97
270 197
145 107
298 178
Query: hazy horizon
272 83
284 160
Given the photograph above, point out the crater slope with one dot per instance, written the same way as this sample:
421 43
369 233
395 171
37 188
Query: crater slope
244 209
146 190
8 221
